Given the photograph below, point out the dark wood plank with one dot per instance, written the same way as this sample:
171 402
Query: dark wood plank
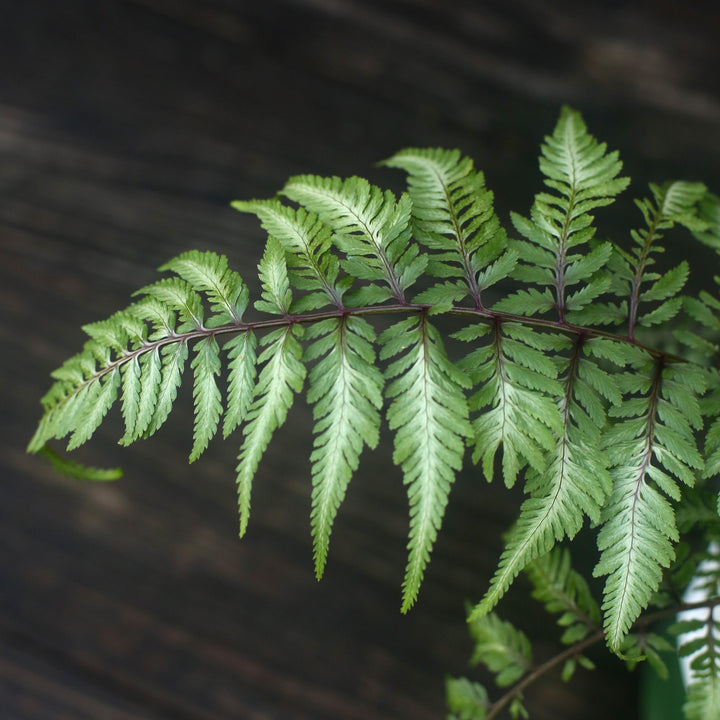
126 127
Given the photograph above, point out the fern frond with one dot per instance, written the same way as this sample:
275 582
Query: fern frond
516 398
180 296
709 214
208 272
466 700
151 377
147 320
74 469
346 390
575 482
703 698
672 203
369 224
281 377
563 590
141 380
96 401
130 398
651 448
580 412
173 363
581 176
712 445
241 380
208 404
698 637
502 648
120 330
453 213
307 240
430 416
275 285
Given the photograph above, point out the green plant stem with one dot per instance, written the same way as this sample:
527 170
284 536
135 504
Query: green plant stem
579 647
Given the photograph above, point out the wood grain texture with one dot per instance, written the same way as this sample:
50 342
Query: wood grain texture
126 127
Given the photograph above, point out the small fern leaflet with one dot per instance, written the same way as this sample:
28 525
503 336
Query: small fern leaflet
453 213
369 224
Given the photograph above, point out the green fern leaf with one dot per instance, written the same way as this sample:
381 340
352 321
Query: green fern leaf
636 540
672 203
698 632
130 397
118 331
703 700
180 296
276 293
662 313
143 378
574 484
282 375
564 591
241 382
307 240
516 398
346 390
74 469
709 214
209 273
582 413
208 406
430 415
668 285
173 361
97 399
583 177
466 700
442 296
526 302
502 648
369 224
161 317
453 213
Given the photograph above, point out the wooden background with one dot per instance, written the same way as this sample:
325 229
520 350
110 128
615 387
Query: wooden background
126 127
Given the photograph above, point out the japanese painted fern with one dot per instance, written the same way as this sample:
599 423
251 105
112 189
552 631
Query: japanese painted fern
573 379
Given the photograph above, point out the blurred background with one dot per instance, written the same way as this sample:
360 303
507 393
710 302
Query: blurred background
126 128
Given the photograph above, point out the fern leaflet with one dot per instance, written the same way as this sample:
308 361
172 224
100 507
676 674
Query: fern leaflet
575 482
650 450
429 413
583 177
369 224
307 241
453 213
282 375
346 389
519 384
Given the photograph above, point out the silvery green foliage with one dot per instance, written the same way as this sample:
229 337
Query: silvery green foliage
583 374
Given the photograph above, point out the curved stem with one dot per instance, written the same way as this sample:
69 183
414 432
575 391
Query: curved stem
579 647
553 662
482 314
